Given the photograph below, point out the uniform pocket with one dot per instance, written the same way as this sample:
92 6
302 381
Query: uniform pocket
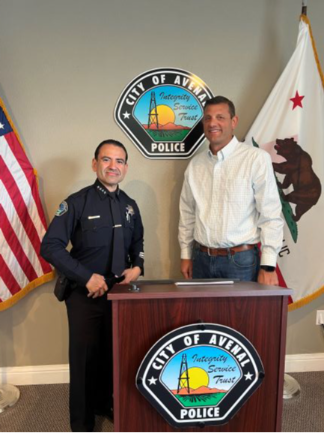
96 232
129 224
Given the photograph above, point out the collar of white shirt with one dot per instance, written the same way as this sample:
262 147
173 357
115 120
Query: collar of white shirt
226 151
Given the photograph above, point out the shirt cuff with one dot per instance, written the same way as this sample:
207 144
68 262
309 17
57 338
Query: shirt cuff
84 276
140 263
268 260
186 253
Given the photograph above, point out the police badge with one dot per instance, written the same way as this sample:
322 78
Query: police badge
129 212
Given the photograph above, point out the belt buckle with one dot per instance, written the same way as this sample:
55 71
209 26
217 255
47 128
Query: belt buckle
215 253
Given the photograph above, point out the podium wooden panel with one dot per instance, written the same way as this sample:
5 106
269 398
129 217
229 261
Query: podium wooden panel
141 318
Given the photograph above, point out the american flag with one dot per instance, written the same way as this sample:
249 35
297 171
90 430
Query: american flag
22 219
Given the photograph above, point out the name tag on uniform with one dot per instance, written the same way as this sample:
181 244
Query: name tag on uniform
93 217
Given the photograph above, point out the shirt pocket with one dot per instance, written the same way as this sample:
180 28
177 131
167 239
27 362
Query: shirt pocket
238 190
129 223
96 232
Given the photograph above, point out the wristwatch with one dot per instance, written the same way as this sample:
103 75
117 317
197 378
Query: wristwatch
268 268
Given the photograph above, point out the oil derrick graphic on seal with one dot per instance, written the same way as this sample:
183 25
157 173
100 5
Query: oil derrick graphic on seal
183 382
153 114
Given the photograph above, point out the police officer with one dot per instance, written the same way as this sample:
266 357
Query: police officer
106 232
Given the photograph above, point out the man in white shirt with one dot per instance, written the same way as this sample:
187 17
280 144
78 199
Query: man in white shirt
229 203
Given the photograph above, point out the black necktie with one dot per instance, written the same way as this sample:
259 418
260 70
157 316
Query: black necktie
118 256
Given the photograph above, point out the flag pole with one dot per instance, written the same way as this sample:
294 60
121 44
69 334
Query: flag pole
304 7
291 387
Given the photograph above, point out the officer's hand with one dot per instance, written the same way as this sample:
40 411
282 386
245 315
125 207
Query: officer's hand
186 268
269 278
131 274
96 286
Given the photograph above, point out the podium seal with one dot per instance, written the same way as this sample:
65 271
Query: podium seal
200 375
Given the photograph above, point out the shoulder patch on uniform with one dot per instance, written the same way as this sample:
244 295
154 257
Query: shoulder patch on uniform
63 208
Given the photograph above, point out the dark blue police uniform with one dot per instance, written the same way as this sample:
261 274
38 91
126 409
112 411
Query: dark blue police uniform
85 219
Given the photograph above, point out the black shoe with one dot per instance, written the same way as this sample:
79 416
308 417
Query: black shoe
82 428
106 413
82 431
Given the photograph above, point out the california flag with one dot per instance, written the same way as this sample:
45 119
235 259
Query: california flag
290 126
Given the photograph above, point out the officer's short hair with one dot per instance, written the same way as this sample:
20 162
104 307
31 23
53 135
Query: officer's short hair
114 143
221 100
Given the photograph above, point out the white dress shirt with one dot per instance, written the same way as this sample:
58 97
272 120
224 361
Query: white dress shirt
231 199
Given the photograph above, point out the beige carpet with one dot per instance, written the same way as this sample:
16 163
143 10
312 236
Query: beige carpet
45 408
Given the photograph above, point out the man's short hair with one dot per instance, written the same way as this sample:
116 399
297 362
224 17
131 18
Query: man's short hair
221 100
114 143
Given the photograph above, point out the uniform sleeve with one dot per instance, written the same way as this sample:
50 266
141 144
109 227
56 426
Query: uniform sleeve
136 251
187 209
269 207
57 238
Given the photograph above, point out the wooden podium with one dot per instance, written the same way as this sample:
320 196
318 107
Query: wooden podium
141 318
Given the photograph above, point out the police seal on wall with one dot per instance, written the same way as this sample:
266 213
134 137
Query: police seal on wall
161 112
200 375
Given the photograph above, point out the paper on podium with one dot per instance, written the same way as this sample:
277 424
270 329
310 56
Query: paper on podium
204 282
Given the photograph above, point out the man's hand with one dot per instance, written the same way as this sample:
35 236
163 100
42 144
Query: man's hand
131 274
269 278
186 268
96 286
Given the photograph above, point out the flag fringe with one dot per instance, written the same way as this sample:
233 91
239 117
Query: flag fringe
306 300
23 292
306 20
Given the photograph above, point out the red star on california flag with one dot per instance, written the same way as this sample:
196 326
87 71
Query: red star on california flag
297 100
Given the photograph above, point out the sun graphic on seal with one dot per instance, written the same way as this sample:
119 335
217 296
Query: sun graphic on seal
165 114
197 377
